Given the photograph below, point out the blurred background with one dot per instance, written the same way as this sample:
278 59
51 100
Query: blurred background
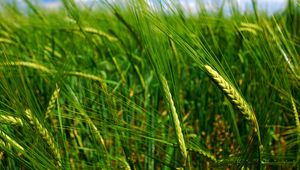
191 6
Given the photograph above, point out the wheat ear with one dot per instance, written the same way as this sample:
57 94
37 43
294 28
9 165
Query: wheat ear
94 128
51 104
27 64
47 70
84 75
35 123
295 113
9 141
100 33
178 131
297 123
236 99
201 152
11 120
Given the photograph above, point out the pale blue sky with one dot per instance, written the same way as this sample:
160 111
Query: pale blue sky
190 5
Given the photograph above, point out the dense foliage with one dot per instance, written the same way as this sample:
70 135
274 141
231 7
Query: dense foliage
134 87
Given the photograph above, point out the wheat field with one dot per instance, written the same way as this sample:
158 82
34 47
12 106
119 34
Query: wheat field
137 86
